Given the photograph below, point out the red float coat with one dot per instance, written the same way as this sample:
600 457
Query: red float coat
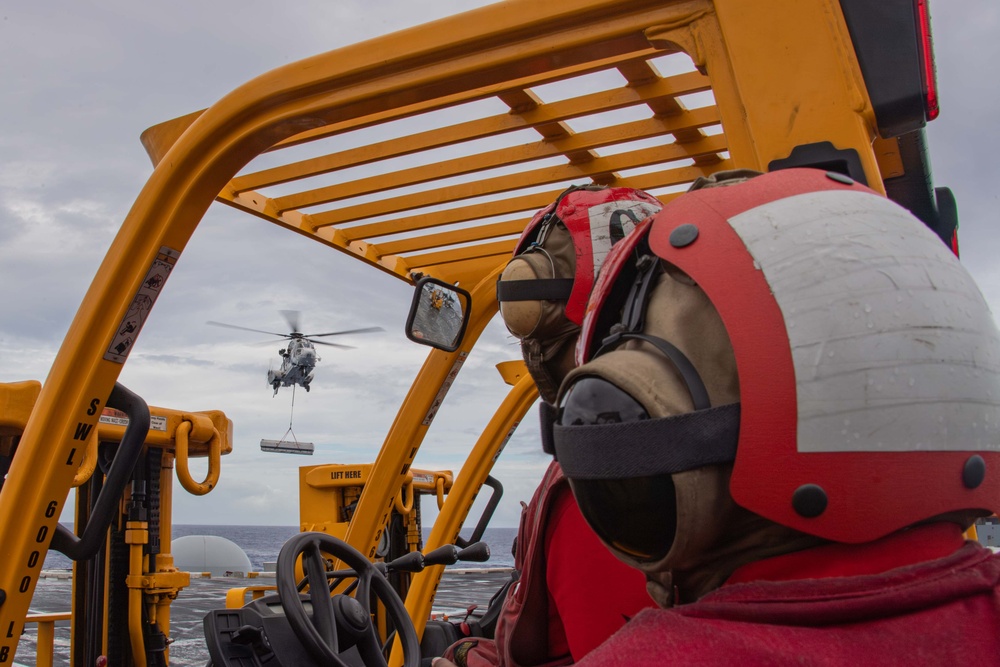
572 595
869 604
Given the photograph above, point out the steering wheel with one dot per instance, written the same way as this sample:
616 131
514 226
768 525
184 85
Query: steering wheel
341 621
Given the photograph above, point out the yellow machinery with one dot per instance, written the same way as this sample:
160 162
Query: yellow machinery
124 573
470 124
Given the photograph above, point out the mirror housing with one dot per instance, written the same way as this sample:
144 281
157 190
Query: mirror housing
438 315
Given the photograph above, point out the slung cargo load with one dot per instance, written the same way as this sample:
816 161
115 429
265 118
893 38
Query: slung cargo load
287 447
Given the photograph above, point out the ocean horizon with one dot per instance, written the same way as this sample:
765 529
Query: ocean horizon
261 544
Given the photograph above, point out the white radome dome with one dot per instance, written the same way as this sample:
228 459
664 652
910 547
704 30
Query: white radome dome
210 553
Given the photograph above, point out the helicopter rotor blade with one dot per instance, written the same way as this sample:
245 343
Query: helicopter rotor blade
292 317
351 331
323 342
233 326
265 343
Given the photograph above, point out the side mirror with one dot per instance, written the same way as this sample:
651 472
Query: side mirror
438 315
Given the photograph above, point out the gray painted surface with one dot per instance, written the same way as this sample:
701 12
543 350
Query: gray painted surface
883 322
988 531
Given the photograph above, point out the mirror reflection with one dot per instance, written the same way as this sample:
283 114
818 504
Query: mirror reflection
438 314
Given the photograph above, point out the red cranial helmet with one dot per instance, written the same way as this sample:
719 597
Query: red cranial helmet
856 362
544 289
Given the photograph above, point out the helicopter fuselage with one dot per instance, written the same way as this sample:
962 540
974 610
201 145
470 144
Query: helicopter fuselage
298 361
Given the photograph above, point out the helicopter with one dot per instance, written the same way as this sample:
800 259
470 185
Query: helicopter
298 357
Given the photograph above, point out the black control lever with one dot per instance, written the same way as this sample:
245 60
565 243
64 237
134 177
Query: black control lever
488 511
411 562
478 552
445 555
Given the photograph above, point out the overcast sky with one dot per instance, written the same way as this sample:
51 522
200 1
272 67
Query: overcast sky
81 81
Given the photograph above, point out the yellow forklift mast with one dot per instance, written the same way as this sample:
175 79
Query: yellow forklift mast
467 125
123 571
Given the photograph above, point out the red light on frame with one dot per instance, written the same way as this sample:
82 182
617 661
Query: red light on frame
927 53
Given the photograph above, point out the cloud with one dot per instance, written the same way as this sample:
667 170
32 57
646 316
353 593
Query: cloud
174 360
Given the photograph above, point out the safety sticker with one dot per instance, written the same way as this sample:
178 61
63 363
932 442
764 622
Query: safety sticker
119 418
130 326
445 386
506 439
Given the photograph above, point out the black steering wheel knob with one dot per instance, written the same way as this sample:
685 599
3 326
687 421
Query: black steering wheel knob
351 615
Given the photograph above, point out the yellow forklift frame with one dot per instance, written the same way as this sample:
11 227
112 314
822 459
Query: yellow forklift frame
448 190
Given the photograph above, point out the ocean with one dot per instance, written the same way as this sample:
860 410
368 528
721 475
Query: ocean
262 543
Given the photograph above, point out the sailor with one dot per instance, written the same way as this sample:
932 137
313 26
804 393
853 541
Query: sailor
786 414
571 593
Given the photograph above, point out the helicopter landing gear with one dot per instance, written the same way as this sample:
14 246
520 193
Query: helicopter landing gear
306 387
276 385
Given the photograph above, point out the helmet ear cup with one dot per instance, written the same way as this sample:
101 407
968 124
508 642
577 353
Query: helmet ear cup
521 317
594 400
534 317
637 516
546 334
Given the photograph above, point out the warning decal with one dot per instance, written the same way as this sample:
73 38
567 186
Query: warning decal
445 386
119 418
142 303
